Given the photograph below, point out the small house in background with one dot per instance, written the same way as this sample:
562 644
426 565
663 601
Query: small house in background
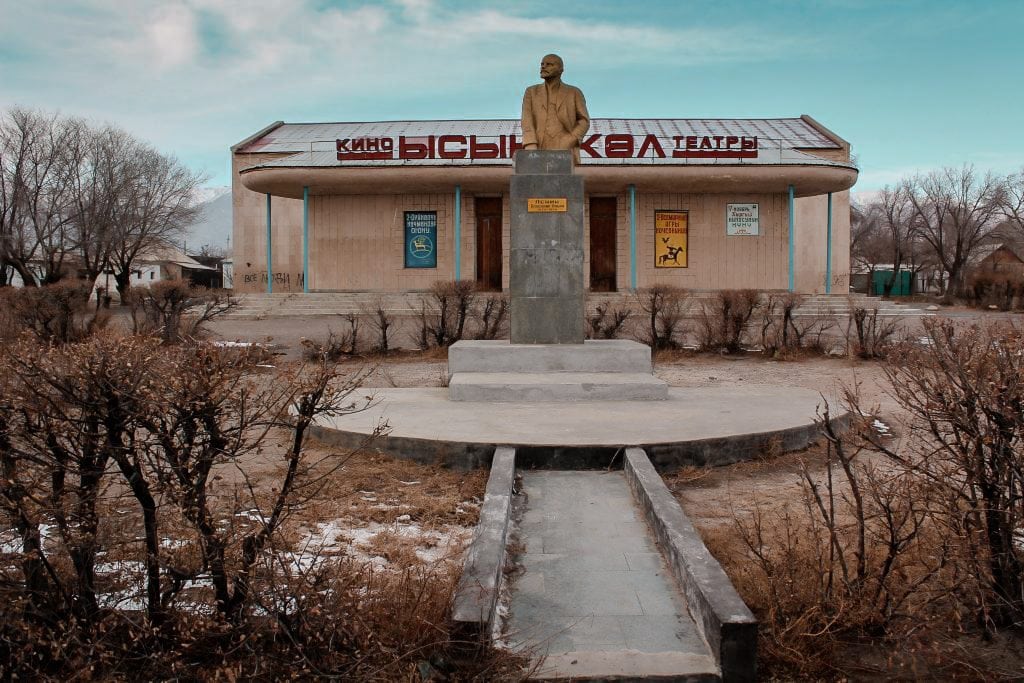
171 263
871 280
168 263
998 259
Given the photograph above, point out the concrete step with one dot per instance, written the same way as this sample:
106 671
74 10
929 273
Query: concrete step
540 387
602 356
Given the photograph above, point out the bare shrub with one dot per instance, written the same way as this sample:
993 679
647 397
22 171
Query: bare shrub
175 311
381 321
493 314
1002 290
333 348
57 313
606 322
725 319
118 457
444 312
664 307
964 389
856 558
874 336
783 333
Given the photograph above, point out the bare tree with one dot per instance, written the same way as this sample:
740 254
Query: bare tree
157 208
1013 202
866 248
954 210
100 160
895 211
33 196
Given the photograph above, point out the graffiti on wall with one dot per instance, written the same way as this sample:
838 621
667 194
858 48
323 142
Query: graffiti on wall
286 280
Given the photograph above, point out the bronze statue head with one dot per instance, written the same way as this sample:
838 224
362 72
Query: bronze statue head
551 67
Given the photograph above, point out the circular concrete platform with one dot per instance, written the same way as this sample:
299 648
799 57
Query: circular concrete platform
696 426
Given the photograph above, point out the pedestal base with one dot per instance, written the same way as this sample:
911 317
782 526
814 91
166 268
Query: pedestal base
597 370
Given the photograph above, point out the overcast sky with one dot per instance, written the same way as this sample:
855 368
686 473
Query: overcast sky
913 85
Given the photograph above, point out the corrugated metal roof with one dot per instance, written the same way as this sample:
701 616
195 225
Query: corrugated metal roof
779 141
766 157
297 137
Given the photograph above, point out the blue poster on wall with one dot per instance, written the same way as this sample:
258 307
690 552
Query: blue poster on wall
421 239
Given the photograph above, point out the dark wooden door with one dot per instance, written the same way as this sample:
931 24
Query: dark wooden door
602 244
488 243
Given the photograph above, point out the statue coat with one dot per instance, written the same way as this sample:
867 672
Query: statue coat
559 123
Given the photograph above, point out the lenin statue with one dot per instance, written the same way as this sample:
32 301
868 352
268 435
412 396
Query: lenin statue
554 113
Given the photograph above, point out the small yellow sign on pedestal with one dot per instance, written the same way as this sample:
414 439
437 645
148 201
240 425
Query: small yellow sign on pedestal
547 205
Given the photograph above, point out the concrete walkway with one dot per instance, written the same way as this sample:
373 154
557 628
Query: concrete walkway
595 595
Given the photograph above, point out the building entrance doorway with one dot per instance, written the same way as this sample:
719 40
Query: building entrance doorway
488 243
603 212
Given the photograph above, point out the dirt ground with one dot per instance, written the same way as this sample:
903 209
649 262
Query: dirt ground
400 513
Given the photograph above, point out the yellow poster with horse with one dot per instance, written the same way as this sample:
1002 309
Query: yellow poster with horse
670 233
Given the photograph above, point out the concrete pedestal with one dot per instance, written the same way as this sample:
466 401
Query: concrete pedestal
546 253
596 370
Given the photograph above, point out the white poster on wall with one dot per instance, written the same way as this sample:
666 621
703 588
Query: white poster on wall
741 219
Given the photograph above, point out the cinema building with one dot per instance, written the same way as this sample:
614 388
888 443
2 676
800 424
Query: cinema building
394 206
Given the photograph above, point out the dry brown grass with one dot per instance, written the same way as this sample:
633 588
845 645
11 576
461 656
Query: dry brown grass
371 487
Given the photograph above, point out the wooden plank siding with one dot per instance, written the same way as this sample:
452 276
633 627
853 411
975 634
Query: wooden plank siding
357 241
716 261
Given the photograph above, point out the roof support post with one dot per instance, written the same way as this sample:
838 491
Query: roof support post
305 239
270 253
458 232
792 244
632 236
828 249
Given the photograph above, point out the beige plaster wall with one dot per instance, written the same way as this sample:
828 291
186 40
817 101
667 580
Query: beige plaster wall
249 228
811 229
716 260
357 242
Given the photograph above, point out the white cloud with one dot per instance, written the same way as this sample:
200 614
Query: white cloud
171 36
194 76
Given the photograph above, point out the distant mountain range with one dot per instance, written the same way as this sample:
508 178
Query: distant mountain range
213 227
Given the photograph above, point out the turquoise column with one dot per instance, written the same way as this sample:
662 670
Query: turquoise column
632 236
828 249
270 253
305 239
458 232
792 245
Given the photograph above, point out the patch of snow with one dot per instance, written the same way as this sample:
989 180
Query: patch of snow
252 515
235 344
408 483
333 539
881 427
10 542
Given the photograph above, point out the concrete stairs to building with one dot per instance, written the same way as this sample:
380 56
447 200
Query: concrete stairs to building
263 305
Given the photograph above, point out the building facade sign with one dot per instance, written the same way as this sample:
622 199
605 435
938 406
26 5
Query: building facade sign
594 146
670 239
421 239
742 219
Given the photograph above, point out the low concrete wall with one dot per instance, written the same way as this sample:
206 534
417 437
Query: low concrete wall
476 597
728 626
